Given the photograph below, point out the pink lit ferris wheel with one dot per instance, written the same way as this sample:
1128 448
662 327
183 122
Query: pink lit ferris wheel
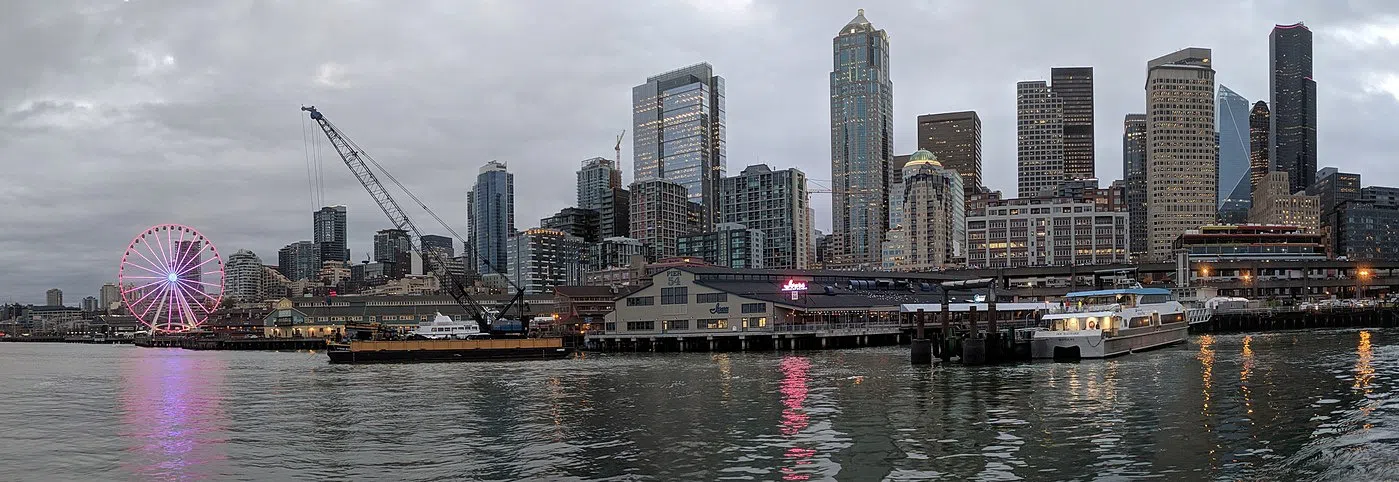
171 278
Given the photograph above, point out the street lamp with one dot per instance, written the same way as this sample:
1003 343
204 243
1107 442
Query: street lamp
1362 275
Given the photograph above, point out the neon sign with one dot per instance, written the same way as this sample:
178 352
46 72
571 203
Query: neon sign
794 285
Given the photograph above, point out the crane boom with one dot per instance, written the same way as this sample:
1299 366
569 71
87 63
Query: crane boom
354 159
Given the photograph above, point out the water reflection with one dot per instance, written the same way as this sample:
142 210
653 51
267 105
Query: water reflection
794 416
1243 377
1364 372
173 418
1206 357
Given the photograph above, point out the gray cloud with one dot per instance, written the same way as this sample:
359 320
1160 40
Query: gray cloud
119 115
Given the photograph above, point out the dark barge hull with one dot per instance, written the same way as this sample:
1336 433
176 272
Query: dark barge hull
434 351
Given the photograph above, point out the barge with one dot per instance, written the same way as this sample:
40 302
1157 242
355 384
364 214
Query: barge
409 351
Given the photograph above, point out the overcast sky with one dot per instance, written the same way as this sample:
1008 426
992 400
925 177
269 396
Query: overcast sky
117 115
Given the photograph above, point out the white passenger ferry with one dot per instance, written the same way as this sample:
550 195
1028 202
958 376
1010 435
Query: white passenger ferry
443 327
1105 323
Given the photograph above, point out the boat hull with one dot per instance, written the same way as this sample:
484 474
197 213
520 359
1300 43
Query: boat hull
429 351
1094 345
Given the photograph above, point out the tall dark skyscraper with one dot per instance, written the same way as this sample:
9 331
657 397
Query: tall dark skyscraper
328 232
1260 141
1293 103
678 126
862 142
1074 86
1134 175
1235 189
955 138
491 217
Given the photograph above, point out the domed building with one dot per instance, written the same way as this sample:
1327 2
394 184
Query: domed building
934 215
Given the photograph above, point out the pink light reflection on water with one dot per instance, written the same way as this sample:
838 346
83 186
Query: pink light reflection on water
794 417
172 415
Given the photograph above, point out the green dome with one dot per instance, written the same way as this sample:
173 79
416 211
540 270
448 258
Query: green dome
922 157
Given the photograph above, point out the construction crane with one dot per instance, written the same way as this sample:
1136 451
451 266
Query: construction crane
618 148
355 158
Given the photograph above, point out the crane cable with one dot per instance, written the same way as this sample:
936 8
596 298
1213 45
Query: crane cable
421 204
310 176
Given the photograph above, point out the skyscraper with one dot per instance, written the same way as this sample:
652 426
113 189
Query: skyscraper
1181 160
596 179
955 138
300 260
1293 103
935 221
1039 128
243 277
188 258
328 232
1260 142
1134 175
775 203
659 215
53 297
491 216
441 244
862 141
678 125
1074 86
1234 192
394 248
109 294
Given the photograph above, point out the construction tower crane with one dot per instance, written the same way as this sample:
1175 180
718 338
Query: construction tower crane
618 148
355 158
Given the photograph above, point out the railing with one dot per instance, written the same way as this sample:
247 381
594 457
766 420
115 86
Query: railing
835 327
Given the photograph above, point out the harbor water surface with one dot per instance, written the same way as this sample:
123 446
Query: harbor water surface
1296 405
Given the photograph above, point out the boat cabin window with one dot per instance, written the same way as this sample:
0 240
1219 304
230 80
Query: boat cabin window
1125 299
1147 299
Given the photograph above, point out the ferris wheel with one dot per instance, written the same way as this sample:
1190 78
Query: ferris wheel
171 278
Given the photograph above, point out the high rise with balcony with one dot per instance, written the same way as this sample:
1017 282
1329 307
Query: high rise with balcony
300 260
539 259
776 204
862 142
1181 159
1235 189
491 216
596 180
328 232
955 138
1293 103
53 297
660 212
1134 177
243 277
1039 128
678 126
1074 87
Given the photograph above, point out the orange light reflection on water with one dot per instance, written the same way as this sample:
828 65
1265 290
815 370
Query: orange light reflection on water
1206 357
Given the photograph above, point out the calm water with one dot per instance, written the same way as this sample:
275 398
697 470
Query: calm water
1276 406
